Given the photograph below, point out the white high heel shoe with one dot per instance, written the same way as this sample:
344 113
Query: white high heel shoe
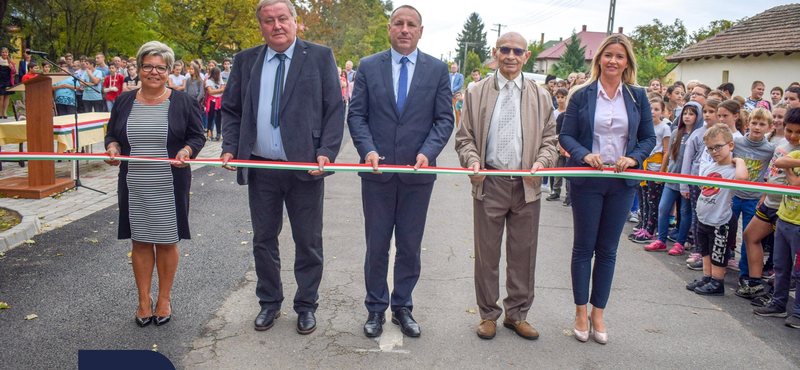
598 337
581 336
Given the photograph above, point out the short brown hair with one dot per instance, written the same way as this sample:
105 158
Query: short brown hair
761 114
718 129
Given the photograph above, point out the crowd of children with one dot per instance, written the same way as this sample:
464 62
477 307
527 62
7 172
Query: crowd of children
713 135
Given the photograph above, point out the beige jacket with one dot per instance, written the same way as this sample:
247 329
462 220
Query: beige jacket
538 131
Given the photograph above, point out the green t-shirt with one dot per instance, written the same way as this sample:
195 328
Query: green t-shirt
789 209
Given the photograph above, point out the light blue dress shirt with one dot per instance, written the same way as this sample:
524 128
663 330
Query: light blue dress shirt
396 65
268 138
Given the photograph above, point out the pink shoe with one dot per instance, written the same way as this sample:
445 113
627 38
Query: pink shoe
656 246
677 249
694 257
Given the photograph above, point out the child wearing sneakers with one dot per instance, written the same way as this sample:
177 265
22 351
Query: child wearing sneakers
787 242
763 224
657 162
691 166
678 138
716 227
756 151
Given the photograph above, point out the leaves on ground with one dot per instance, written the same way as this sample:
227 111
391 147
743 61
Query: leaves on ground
30 241
59 254
471 256
31 316
93 240
568 333
130 254
244 243
470 310
4 306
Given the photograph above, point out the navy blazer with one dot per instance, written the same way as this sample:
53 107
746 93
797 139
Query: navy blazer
312 117
577 131
424 127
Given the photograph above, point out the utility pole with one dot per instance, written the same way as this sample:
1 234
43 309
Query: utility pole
464 59
611 11
499 28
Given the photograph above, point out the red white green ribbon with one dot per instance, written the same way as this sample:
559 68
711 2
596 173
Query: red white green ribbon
346 167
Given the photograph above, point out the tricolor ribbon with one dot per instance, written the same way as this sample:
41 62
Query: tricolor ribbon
347 167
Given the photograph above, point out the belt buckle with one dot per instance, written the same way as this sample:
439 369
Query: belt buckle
512 177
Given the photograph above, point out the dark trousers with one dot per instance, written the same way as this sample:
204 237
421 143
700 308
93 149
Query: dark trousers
214 119
651 194
94 106
558 181
787 246
64 109
268 191
599 210
79 103
393 207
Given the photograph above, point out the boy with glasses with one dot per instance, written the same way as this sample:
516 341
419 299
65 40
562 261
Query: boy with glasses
716 224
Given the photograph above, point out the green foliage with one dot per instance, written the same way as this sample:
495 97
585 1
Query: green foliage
535 47
475 38
82 26
712 29
472 62
651 64
669 38
352 28
573 59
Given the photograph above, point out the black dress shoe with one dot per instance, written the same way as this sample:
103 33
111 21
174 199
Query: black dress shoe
266 318
553 196
407 324
306 322
144 321
161 320
374 325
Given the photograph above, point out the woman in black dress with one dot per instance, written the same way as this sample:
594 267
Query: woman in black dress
7 72
155 122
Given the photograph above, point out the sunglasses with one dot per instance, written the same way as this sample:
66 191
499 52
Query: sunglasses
517 51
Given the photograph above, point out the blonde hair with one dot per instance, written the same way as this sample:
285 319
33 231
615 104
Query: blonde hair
628 75
761 114
718 129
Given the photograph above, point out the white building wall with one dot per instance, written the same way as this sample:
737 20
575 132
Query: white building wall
775 70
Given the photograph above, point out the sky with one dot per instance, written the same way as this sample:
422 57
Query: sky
444 19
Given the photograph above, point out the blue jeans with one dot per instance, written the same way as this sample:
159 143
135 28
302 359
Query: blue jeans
599 211
668 197
747 209
110 104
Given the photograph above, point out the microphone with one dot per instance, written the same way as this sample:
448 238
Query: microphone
32 52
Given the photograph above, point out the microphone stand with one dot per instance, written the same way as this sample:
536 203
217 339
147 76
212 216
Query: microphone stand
75 82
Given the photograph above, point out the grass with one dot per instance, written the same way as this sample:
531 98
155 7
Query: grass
8 219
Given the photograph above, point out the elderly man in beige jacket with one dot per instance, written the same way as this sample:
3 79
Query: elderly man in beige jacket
507 123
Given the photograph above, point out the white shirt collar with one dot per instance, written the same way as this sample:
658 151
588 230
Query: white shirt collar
602 92
289 52
502 81
396 56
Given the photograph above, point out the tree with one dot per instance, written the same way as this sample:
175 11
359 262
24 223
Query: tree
573 59
535 47
473 37
351 28
651 64
668 38
712 29
472 62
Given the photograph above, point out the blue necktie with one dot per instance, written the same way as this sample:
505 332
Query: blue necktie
276 94
402 85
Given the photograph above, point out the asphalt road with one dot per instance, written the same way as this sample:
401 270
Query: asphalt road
86 298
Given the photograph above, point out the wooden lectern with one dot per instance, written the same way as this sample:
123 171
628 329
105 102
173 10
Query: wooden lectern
41 181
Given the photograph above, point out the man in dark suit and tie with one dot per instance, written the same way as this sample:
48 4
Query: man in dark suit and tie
283 102
400 114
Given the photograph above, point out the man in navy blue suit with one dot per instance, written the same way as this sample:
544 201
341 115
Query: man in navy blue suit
400 114
283 102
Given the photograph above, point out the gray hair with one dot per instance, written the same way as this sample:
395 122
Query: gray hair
264 3
158 49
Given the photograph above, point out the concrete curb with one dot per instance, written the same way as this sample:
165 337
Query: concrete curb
27 229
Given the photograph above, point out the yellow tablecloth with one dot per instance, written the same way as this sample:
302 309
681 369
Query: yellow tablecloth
91 129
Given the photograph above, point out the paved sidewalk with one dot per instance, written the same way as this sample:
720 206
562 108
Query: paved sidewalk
81 202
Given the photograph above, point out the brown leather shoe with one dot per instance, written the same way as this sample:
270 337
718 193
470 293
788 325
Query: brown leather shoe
522 328
487 329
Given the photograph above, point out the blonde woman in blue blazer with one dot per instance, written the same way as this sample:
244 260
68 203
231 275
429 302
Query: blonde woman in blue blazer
607 124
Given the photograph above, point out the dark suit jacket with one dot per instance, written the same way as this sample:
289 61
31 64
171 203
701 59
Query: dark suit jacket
577 132
424 127
311 120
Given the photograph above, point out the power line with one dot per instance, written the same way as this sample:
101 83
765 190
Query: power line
499 27
527 16
552 13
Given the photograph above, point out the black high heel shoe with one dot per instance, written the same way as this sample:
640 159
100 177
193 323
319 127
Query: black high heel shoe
144 321
162 320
